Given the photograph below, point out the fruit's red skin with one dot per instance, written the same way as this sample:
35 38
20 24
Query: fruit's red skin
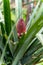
21 27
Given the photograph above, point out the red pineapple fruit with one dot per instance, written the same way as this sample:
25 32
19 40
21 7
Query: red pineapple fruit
21 27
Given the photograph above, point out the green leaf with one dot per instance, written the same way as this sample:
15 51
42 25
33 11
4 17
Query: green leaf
2 29
34 47
7 16
33 14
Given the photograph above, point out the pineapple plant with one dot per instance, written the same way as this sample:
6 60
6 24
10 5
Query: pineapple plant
25 49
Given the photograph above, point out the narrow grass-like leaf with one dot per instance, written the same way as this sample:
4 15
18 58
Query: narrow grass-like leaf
34 12
2 29
39 51
35 46
18 8
7 16
35 60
